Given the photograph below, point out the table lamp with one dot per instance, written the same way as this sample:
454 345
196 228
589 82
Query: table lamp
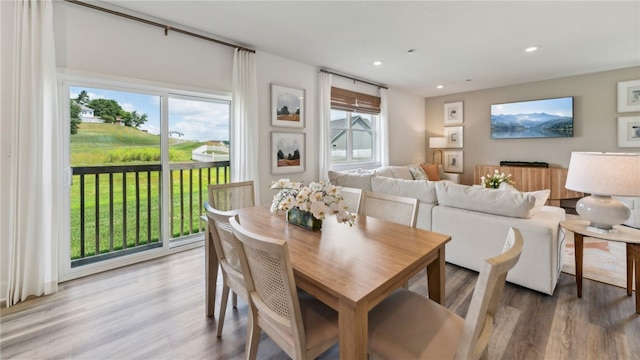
604 175
437 143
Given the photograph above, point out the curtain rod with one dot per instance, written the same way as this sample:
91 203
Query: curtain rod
354 79
153 23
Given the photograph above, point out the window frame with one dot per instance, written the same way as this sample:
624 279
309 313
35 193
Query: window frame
67 78
350 164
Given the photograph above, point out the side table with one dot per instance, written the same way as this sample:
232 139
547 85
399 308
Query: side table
623 234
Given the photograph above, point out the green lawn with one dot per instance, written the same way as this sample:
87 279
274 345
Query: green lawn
109 144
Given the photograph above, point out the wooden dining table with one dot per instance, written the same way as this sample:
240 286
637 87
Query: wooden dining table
352 268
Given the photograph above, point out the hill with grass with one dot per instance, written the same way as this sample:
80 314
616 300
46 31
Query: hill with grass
111 144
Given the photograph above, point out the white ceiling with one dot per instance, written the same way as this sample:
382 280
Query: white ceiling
464 46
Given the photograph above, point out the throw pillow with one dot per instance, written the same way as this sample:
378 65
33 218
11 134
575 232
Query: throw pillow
490 201
354 180
541 199
423 190
417 173
433 174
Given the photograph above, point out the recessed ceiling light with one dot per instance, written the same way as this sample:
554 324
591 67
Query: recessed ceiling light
377 63
440 86
531 49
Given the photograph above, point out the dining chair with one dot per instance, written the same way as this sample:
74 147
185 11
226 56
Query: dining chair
232 196
398 209
301 325
407 325
226 246
351 197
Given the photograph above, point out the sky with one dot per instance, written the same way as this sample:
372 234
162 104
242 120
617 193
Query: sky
198 120
559 106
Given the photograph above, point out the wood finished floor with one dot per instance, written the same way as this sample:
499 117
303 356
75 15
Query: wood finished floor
155 310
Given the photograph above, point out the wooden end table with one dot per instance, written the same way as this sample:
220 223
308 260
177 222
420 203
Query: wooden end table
630 236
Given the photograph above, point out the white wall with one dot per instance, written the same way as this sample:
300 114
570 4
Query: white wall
95 42
595 120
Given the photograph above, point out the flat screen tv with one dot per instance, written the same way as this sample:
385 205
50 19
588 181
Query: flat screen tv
533 119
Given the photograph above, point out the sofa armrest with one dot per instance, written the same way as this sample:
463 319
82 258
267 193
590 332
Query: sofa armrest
452 177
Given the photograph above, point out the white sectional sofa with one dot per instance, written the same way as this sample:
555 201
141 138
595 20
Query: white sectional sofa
477 219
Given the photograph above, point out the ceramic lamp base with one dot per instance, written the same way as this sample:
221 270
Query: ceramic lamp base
603 211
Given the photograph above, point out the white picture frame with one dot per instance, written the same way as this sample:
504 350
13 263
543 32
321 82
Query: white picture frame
629 131
629 96
287 106
453 113
453 161
287 152
454 136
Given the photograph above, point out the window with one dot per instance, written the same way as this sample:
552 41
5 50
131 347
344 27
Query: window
140 158
354 127
353 137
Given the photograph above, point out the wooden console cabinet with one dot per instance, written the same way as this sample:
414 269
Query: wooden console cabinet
532 179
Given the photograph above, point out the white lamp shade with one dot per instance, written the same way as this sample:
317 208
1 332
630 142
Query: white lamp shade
609 174
437 142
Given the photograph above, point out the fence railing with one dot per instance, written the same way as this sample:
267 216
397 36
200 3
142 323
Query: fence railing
116 210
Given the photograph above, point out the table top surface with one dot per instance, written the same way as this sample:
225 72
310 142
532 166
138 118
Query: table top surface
622 234
350 262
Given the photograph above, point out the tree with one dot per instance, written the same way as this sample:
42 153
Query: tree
83 98
108 110
75 116
284 110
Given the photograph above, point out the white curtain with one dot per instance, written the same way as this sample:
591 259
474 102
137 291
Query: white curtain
34 164
324 117
244 124
384 128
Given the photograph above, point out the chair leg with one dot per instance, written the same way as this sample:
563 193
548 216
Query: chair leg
223 308
253 336
235 300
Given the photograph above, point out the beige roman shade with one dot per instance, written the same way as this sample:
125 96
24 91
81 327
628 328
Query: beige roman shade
354 101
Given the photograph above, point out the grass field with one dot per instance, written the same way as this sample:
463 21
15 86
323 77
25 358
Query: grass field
107 145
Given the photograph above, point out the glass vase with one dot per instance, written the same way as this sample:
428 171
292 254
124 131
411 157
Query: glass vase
303 219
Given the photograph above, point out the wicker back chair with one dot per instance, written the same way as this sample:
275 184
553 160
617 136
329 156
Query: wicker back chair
351 197
226 246
303 327
225 197
398 209
407 325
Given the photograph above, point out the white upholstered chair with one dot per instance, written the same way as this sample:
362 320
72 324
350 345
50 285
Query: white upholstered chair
226 246
303 327
351 197
231 196
398 209
407 325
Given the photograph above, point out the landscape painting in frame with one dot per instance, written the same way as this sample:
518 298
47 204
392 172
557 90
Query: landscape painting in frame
547 118
287 152
287 106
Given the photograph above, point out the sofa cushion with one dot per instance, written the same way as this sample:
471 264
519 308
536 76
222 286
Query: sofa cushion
418 173
398 172
354 180
422 190
490 201
541 199
432 171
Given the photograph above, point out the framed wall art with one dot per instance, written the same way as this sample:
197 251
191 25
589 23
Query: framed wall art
629 96
629 131
453 161
453 113
287 152
287 106
453 134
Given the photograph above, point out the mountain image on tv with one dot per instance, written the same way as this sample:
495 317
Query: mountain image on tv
533 119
